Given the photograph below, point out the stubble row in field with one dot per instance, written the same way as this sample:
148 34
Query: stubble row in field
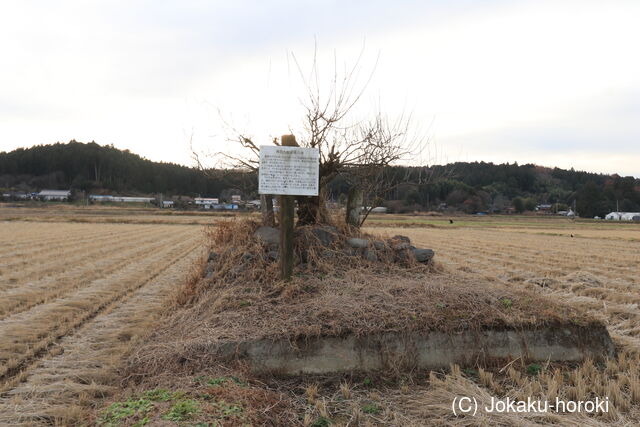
69 313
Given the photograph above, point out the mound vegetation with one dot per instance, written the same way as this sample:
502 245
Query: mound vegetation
336 290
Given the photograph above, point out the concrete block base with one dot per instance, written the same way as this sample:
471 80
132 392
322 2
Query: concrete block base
426 350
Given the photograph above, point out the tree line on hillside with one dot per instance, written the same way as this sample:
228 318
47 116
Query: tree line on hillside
94 168
469 187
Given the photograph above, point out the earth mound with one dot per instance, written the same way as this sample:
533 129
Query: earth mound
368 303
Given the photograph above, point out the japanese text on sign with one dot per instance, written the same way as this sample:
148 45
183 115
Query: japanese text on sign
289 170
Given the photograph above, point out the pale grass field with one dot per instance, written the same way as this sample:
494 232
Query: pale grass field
73 299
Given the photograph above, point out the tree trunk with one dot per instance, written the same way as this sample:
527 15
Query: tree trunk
313 209
266 207
308 210
354 206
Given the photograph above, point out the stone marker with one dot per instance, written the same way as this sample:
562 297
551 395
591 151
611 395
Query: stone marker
423 255
355 242
354 206
269 235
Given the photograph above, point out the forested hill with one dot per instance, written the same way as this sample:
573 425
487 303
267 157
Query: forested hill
487 187
470 187
93 167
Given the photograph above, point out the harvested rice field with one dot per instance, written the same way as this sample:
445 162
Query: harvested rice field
62 212
80 291
73 299
593 266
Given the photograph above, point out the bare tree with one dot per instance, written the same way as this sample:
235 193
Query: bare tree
361 149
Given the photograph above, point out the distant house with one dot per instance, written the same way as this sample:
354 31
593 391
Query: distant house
100 198
545 207
57 195
379 209
167 203
613 216
206 203
120 199
623 216
133 199
236 198
253 204
16 195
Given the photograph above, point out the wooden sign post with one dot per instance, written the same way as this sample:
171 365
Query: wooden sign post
288 171
287 211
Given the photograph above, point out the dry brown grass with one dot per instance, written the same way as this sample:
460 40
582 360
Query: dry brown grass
332 294
596 273
64 329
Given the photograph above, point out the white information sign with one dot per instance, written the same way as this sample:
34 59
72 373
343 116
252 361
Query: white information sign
291 171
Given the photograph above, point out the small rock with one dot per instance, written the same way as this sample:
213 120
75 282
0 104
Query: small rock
327 253
355 242
272 255
379 245
423 255
400 242
212 256
326 234
268 235
401 255
400 246
370 255
208 272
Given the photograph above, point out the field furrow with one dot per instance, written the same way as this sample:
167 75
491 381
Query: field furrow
73 257
37 252
81 367
26 235
26 335
53 286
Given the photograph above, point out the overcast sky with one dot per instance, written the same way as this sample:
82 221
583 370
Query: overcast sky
555 83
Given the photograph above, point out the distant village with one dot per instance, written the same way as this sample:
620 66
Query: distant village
184 202
235 203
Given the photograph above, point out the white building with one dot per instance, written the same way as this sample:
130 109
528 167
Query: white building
58 195
133 199
623 216
206 203
378 209
101 198
167 203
